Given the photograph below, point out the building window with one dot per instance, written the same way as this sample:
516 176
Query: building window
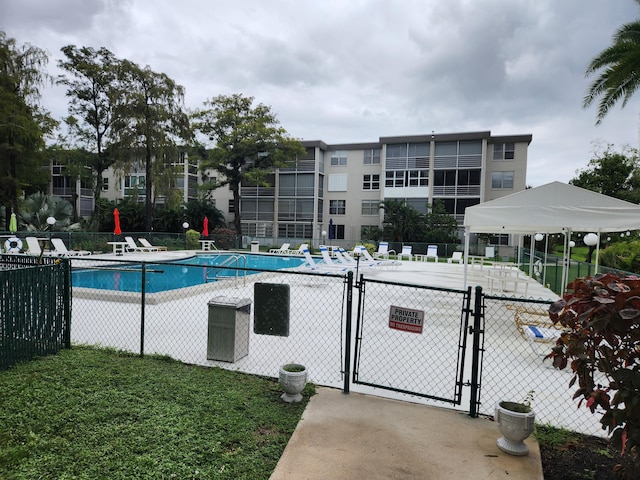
502 180
337 207
418 178
336 231
105 184
232 206
339 158
504 151
372 156
371 182
370 207
394 178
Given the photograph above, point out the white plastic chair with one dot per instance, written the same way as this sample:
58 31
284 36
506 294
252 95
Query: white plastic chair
62 250
153 248
383 251
432 252
406 252
455 257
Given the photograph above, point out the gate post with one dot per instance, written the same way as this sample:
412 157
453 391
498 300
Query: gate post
476 352
347 333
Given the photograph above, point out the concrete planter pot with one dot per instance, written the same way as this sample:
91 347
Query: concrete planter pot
515 427
293 379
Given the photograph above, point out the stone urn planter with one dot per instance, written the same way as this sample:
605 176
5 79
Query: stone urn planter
293 379
515 421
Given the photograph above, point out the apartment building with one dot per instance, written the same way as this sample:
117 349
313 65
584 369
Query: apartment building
338 189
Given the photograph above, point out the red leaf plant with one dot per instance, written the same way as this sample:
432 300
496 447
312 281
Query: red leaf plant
601 343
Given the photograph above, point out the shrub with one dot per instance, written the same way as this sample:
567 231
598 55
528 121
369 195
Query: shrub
192 239
602 318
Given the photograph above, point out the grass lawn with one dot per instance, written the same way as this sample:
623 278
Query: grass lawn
97 413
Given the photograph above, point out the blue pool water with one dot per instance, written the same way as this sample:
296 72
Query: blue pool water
170 276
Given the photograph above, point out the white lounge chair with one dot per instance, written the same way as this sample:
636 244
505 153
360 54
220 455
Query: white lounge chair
318 267
61 249
455 257
374 262
147 244
406 252
432 252
132 247
383 251
34 248
284 248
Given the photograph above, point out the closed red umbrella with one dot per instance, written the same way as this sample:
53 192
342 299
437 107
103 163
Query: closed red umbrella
116 219
205 230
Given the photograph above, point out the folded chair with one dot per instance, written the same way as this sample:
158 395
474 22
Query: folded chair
374 262
153 248
62 250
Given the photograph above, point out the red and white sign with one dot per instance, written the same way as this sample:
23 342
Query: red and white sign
406 319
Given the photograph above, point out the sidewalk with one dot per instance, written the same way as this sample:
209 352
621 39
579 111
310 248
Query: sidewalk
358 436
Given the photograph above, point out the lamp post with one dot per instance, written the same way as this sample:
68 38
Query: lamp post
51 220
324 234
592 240
185 225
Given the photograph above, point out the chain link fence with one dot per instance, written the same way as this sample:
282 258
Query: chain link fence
514 365
176 321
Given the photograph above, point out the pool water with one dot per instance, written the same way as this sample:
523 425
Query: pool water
185 273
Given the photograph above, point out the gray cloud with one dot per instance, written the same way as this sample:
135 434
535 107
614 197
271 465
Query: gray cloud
354 71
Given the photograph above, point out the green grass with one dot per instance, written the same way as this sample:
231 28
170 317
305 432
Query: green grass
553 437
95 413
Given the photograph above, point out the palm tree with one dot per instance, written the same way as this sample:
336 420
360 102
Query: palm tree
36 208
619 67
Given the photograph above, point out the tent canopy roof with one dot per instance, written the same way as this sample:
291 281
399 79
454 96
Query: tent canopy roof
553 208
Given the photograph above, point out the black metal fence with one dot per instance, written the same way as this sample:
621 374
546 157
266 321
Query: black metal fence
34 307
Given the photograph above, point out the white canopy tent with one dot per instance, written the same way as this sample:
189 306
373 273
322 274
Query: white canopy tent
552 208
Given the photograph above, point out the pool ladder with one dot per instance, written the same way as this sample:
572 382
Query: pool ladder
211 274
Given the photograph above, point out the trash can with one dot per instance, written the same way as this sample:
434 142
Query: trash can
228 332
255 246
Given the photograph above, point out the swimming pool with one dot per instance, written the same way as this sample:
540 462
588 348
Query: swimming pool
173 275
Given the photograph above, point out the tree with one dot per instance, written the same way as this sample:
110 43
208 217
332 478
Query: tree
249 143
37 207
619 67
22 124
616 174
150 124
93 87
439 226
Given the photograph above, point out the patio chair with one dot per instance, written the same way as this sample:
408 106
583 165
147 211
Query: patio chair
537 329
374 262
432 252
284 248
318 267
132 247
455 257
154 248
406 252
34 248
383 251
61 249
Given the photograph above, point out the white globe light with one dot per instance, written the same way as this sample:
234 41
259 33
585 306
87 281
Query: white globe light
539 237
590 239
572 244
51 220
324 233
185 225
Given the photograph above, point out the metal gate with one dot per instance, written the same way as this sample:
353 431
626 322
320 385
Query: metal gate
412 339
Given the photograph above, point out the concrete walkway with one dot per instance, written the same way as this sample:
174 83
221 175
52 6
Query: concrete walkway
360 436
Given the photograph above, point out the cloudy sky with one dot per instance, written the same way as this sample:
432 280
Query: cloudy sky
348 71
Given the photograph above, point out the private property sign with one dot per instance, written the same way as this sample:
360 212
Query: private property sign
406 319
